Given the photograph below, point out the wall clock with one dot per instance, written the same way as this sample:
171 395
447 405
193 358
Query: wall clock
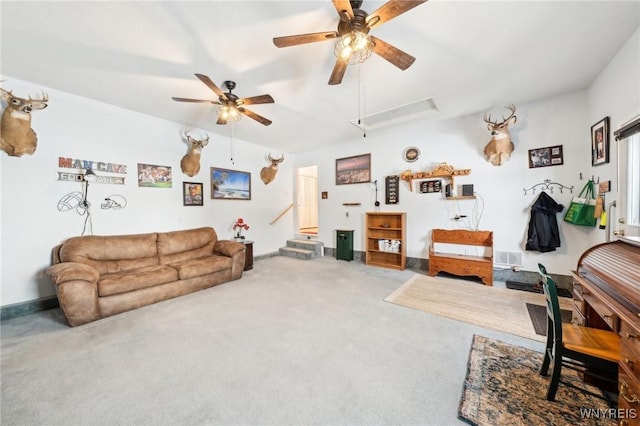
411 154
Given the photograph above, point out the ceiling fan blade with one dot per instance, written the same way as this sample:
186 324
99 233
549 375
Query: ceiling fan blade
343 6
392 54
390 10
194 100
295 40
211 85
254 100
255 116
338 72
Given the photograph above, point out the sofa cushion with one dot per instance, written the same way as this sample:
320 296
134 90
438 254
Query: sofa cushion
136 279
111 254
201 266
176 246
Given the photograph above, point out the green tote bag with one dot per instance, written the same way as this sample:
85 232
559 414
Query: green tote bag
582 208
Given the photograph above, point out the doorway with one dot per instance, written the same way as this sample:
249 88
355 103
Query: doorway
308 201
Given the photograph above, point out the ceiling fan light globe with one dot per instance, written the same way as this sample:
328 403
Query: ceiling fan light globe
354 47
229 113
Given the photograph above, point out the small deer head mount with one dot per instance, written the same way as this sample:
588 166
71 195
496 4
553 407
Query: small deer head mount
267 174
190 163
16 136
500 147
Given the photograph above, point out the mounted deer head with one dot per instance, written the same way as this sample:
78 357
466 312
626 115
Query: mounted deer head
267 174
500 147
190 163
16 136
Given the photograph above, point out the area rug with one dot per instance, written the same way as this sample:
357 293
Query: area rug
538 317
489 307
535 288
503 387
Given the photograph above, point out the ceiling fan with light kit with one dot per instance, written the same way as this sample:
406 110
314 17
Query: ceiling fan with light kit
354 44
231 106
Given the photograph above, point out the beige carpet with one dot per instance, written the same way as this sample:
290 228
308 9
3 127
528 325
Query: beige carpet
495 308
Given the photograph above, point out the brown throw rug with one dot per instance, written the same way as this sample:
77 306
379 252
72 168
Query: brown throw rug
503 387
471 302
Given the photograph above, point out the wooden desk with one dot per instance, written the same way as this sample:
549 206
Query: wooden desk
606 294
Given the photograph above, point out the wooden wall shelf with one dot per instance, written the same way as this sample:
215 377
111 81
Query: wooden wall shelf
443 170
461 197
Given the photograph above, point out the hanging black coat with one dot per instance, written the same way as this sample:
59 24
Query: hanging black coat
543 232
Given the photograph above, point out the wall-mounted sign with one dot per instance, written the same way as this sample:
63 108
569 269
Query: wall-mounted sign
391 185
96 166
79 177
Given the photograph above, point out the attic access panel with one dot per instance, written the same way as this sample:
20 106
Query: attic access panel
424 108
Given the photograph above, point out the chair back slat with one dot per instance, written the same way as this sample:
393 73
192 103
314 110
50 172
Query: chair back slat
554 316
553 307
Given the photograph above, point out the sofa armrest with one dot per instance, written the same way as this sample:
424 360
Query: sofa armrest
67 271
227 248
77 289
235 251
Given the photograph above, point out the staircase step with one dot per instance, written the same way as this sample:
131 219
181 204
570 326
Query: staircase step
298 253
315 246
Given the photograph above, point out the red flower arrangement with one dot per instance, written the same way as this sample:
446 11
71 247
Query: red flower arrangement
239 226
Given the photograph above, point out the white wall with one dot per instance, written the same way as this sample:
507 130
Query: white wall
563 120
75 127
616 94
558 121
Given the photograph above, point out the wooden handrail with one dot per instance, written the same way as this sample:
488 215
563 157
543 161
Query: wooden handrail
281 214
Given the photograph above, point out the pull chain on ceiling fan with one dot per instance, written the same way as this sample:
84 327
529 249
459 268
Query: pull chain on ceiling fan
354 44
231 106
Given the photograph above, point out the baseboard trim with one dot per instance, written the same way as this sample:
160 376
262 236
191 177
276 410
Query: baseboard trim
29 307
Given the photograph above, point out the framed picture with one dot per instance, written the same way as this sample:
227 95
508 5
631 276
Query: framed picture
230 184
600 142
154 176
191 194
547 156
356 169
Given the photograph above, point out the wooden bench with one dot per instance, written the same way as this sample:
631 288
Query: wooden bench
480 265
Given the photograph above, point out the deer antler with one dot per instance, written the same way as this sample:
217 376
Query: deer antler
510 107
275 160
45 98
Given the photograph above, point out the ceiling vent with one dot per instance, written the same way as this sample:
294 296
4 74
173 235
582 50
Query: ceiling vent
424 108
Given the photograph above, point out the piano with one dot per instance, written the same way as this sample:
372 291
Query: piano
606 294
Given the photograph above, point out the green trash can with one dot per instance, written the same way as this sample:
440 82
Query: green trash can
344 243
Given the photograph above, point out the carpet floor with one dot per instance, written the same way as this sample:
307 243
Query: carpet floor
485 306
503 387
293 342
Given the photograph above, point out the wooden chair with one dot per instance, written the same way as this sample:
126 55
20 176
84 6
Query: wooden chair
590 351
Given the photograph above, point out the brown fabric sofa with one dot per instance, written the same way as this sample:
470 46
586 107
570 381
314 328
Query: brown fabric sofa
100 276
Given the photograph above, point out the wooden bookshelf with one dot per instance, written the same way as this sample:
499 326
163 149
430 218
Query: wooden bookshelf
386 226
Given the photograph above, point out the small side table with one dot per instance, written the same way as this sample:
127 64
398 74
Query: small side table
248 255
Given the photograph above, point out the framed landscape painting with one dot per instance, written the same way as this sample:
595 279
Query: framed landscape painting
356 169
230 184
